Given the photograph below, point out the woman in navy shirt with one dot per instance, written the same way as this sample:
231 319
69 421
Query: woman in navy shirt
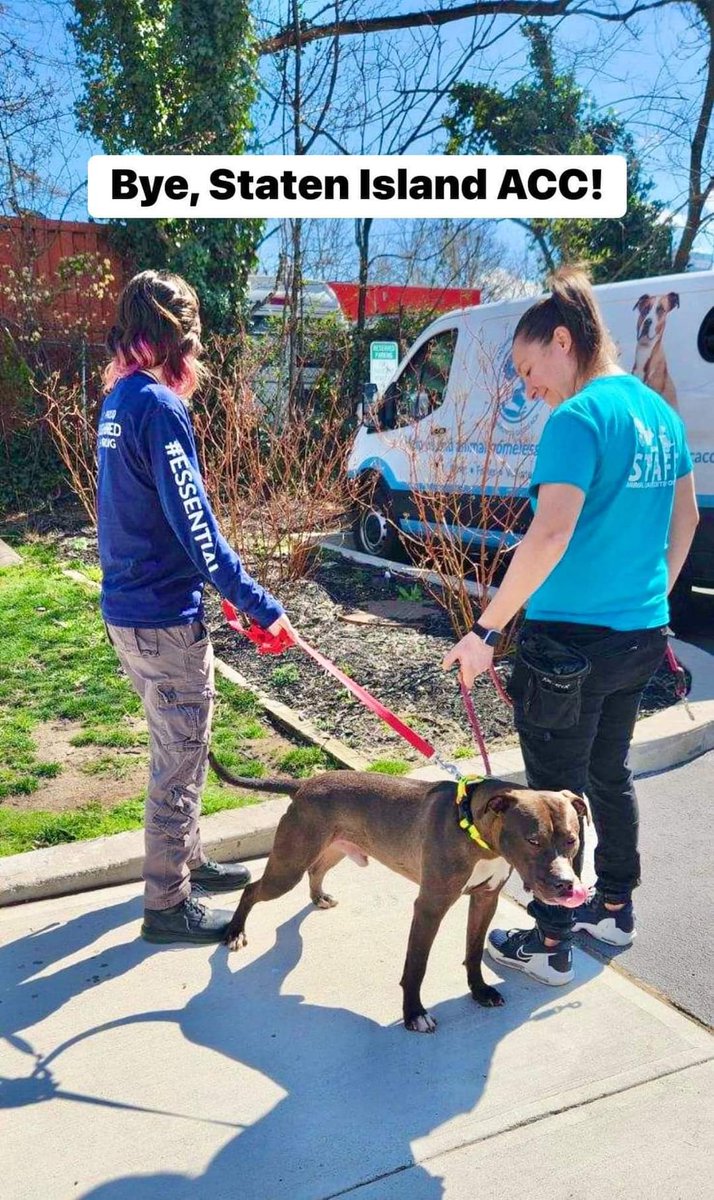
158 544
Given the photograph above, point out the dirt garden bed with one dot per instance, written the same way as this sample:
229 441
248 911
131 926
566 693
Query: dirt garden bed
399 662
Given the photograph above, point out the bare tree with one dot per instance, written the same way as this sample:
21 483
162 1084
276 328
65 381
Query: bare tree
38 138
388 114
445 253
373 95
436 17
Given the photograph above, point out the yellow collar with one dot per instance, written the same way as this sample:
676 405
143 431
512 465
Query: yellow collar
464 814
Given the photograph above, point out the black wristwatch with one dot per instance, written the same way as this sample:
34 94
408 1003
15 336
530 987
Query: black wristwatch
489 636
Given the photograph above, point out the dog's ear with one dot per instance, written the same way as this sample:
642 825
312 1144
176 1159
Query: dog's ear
486 798
674 299
643 300
580 805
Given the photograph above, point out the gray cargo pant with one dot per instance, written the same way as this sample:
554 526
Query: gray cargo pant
173 672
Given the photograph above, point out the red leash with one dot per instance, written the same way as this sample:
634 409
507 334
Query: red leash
268 644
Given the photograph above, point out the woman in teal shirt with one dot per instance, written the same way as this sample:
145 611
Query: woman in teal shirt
614 517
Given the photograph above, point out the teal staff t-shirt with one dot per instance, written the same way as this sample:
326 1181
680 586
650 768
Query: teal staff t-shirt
624 447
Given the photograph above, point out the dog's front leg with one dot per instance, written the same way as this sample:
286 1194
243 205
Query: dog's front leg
429 911
482 906
235 934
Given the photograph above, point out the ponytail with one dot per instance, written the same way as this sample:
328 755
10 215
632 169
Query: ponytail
571 305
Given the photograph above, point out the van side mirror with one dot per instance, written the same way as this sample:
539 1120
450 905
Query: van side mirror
365 406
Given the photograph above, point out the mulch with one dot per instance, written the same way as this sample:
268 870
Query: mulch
399 662
395 652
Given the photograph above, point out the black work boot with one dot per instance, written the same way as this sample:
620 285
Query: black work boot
220 877
188 922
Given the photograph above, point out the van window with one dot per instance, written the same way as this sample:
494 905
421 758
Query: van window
421 387
705 341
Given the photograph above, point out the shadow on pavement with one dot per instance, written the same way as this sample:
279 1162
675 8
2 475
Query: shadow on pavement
357 1093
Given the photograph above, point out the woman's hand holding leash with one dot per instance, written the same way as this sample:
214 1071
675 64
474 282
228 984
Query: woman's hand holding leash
473 656
283 623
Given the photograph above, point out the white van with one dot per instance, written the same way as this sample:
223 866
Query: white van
268 301
455 417
268 298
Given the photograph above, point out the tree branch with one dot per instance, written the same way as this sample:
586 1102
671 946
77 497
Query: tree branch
698 191
530 9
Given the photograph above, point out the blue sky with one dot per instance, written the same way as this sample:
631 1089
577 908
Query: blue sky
661 54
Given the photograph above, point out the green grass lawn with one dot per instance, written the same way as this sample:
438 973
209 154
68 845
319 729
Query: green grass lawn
56 663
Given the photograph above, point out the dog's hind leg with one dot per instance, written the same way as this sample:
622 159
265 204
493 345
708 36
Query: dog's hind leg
482 906
298 844
329 858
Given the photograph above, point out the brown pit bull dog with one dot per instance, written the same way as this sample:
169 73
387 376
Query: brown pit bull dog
412 827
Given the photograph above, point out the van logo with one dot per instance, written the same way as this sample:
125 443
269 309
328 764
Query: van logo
515 407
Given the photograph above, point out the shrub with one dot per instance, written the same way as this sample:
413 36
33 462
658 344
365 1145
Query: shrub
283 676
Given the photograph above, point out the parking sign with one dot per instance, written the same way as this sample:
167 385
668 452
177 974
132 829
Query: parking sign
383 362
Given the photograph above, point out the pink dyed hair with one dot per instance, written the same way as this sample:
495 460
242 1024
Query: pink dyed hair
158 325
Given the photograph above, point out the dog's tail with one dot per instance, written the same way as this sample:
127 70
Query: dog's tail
280 785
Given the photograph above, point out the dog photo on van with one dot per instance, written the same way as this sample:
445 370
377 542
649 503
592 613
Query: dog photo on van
650 359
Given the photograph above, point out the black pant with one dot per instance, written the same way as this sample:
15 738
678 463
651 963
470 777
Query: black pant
591 756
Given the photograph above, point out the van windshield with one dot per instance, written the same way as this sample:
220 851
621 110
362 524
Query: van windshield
421 387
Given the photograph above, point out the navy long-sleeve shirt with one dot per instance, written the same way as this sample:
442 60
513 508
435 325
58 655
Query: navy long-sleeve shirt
158 537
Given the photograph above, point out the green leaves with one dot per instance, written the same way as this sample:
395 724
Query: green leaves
549 113
174 77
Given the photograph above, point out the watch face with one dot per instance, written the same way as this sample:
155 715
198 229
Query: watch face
488 636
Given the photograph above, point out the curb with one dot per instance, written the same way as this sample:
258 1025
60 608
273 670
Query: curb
102 862
336 543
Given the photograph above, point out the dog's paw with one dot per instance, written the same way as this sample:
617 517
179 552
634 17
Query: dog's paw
324 901
234 941
487 997
423 1023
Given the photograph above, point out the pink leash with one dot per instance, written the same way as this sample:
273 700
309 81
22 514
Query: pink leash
475 726
680 685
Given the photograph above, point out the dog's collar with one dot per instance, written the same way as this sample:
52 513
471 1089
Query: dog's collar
463 810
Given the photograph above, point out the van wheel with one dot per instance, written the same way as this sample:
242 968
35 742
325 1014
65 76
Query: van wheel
373 524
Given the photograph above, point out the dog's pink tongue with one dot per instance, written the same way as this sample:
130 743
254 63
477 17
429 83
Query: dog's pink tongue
579 896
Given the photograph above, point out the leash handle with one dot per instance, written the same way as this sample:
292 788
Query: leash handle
680 684
266 642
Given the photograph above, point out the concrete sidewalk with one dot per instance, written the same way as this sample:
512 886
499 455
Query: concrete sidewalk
282 1072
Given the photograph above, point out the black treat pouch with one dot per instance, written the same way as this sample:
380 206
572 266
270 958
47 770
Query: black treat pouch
547 681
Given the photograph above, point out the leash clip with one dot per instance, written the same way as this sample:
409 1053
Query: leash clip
680 680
